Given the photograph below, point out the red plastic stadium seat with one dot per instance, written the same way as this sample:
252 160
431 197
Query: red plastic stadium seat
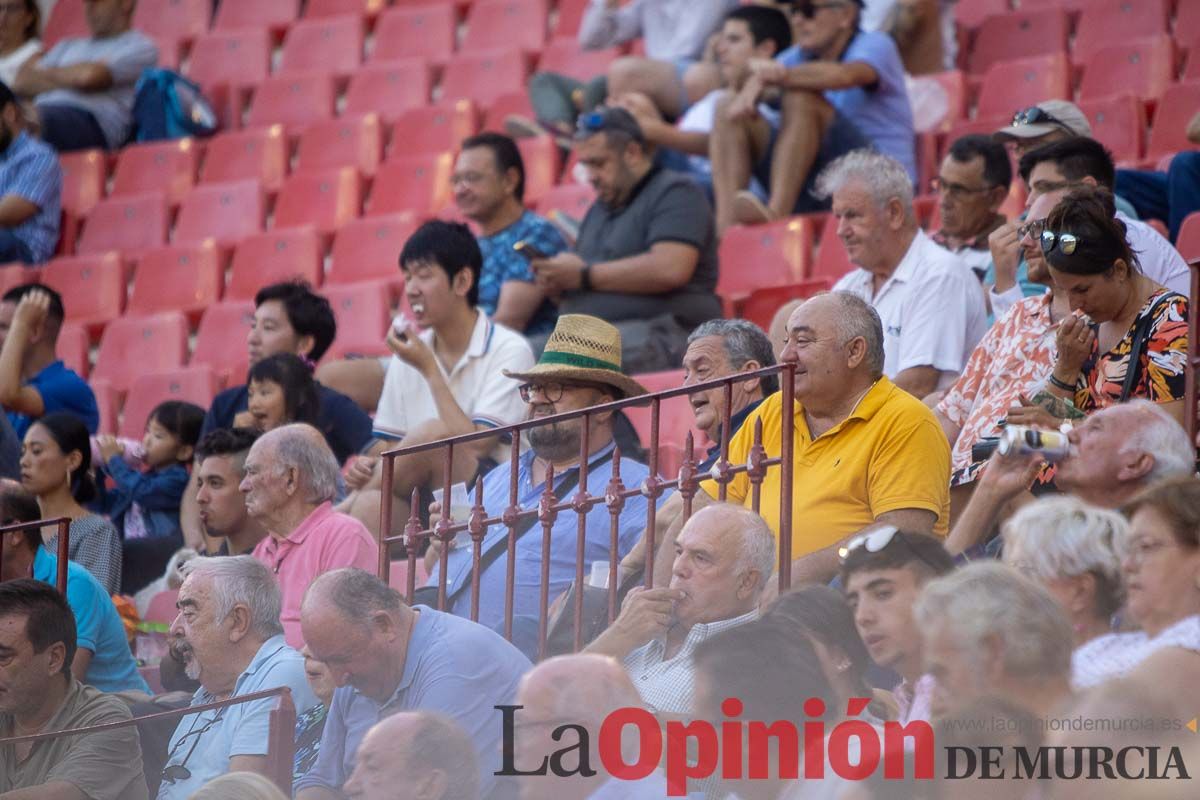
1019 34
196 384
182 20
1145 68
125 223
324 200
1120 124
762 304
292 100
433 129
162 607
92 287
355 141
543 162
332 44
832 259
168 167
106 404
273 14
225 212
1187 30
970 13
335 8
133 346
221 340
1110 22
1012 85
261 154
570 14
776 254
675 416
66 20
572 199
369 249
418 185
1188 243
187 278
83 177
72 348
273 257
564 56
425 31
363 311
506 23
506 105
235 58
484 77
1176 108
389 88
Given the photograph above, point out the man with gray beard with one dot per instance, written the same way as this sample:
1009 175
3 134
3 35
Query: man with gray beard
580 367
229 635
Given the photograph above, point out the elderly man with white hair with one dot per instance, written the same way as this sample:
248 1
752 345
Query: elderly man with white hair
988 630
725 555
1115 453
418 754
291 479
930 302
1073 549
228 630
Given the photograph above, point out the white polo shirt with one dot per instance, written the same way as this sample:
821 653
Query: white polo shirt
476 381
931 308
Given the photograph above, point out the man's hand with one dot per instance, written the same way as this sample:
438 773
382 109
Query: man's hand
1075 340
648 117
647 613
32 310
1006 254
558 274
1007 476
109 446
412 350
360 472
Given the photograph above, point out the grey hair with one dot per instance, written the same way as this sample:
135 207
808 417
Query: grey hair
861 319
296 446
242 580
884 177
438 742
1163 437
983 600
744 342
1064 537
757 550
242 785
355 593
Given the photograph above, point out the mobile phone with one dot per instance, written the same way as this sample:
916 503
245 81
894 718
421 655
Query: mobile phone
528 251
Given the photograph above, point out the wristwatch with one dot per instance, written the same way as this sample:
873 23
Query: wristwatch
585 278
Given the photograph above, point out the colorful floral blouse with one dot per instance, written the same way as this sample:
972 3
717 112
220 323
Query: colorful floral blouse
1014 357
1162 363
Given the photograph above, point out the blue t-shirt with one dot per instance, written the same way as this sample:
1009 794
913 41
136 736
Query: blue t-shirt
347 427
880 112
61 390
502 264
97 624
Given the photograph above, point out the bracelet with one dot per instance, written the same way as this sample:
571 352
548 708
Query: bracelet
1055 382
585 278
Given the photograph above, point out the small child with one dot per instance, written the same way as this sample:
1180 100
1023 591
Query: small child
281 390
145 504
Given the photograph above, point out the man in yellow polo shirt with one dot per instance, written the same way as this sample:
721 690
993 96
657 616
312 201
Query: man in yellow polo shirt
865 450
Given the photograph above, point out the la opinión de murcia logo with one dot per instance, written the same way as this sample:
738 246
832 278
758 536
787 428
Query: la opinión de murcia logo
853 749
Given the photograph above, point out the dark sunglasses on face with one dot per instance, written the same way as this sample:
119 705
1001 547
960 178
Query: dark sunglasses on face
1066 242
808 10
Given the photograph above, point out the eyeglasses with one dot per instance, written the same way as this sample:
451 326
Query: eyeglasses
552 391
1037 116
810 10
1065 242
180 772
1031 229
956 189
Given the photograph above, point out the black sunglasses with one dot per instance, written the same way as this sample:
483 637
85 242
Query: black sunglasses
1066 242
809 10
180 772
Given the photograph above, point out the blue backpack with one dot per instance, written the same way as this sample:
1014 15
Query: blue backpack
169 106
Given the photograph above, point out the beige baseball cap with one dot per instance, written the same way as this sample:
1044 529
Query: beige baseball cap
1046 117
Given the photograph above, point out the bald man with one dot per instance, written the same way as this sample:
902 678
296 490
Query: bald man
415 755
581 690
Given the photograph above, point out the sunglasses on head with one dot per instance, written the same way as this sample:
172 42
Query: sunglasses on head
1036 116
808 10
1065 242
873 541
593 122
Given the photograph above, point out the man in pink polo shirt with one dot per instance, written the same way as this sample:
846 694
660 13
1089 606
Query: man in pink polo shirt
291 478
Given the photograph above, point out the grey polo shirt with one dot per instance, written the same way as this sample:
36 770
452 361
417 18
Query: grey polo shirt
665 207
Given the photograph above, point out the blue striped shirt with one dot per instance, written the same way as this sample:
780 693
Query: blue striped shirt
29 169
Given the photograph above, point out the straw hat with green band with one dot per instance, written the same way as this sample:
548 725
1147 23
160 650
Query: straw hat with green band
582 348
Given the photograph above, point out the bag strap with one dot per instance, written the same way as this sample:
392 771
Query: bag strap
1140 331
489 557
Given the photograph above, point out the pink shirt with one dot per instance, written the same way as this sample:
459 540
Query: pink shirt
324 541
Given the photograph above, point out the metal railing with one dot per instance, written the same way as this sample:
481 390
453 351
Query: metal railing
550 506
1191 401
281 731
64 536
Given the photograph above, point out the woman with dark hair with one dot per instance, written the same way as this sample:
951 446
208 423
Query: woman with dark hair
18 37
1127 336
56 466
281 390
